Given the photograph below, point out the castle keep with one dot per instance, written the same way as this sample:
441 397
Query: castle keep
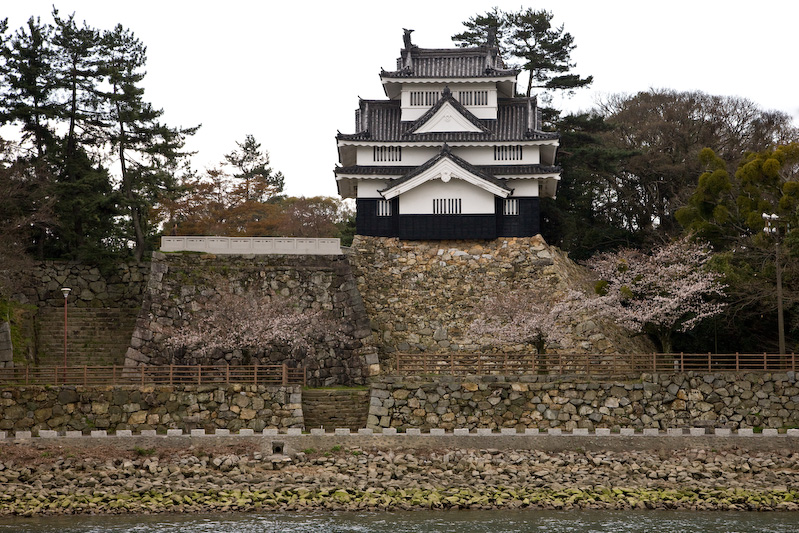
452 153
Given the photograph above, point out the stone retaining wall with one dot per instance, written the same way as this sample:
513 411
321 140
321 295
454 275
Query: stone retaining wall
183 285
726 400
421 295
121 286
137 409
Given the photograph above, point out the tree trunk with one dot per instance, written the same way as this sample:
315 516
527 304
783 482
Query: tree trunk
665 342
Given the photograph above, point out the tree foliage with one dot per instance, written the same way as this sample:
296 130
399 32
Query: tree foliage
666 131
241 197
253 178
670 290
727 209
519 315
252 324
528 36
75 95
586 218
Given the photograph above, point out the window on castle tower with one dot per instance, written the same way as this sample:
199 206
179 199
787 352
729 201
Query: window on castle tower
424 98
387 153
473 98
384 208
447 206
510 206
507 153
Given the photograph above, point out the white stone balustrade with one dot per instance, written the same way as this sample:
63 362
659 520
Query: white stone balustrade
252 245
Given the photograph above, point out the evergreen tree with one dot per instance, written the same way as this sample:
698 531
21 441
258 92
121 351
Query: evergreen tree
85 207
30 84
545 51
255 180
149 152
586 217
528 36
480 29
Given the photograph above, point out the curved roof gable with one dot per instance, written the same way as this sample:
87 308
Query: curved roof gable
447 115
446 166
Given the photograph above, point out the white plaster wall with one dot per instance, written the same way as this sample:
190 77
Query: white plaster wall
476 155
484 155
486 112
524 187
419 201
369 188
410 156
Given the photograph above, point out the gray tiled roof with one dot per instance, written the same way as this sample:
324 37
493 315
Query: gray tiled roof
475 62
379 121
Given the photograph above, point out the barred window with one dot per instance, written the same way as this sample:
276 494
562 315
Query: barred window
425 98
473 97
447 206
387 153
510 206
507 153
384 208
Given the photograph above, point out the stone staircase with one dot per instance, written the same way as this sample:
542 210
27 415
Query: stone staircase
335 408
95 336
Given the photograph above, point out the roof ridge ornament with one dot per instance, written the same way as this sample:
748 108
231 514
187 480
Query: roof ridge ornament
407 60
406 38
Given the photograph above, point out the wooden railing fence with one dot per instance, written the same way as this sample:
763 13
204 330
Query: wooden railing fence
600 364
153 375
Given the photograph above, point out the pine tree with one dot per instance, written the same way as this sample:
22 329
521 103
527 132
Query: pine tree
149 152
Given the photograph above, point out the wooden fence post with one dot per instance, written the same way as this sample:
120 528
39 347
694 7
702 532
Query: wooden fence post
285 374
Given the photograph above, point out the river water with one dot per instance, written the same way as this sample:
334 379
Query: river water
420 521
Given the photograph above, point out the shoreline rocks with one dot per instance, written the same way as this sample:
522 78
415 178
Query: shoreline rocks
55 479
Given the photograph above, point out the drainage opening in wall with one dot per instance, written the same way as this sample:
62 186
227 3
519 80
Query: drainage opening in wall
277 448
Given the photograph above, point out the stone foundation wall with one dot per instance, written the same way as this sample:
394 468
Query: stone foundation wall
420 295
229 407
189 284
731 400
121 286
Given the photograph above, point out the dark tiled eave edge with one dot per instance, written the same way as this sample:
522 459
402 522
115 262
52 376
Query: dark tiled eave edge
445 137
496 170
405 74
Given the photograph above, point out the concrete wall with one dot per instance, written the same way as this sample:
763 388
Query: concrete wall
662 401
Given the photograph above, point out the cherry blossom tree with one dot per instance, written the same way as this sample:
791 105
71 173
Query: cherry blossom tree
658 294
524 316
252 323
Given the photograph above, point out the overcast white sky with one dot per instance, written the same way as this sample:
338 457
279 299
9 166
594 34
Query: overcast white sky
291 72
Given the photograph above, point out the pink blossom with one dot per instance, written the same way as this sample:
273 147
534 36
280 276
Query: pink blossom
666 291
